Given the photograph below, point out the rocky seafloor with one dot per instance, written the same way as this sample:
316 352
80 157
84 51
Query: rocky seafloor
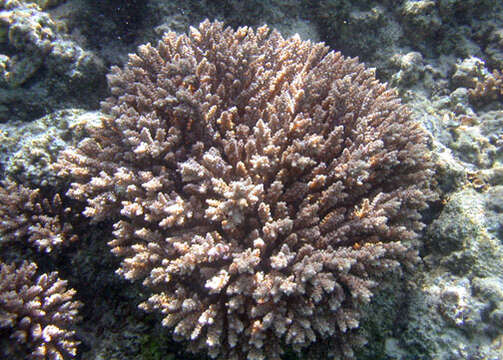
439 54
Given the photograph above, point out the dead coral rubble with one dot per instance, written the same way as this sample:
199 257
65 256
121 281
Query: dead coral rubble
38 311
261 186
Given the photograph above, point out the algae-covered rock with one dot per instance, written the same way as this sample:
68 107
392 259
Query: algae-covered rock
422 18
453 313
411 68
468 72
46 3
365 29
42 68
29 149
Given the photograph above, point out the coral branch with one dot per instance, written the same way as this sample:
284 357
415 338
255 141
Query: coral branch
38 311
26 214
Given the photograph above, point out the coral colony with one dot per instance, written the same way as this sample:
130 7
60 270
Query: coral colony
39 310
259 186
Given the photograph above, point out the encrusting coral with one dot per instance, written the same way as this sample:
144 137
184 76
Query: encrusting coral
38 311
25 214
261 187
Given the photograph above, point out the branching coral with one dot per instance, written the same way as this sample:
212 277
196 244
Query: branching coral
489 89
26 214
38 311
261 186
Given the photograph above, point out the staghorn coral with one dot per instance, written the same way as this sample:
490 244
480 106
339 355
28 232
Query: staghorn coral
38 311
261 187
26 213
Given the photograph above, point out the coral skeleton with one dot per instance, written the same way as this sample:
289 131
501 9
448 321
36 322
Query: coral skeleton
261 187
